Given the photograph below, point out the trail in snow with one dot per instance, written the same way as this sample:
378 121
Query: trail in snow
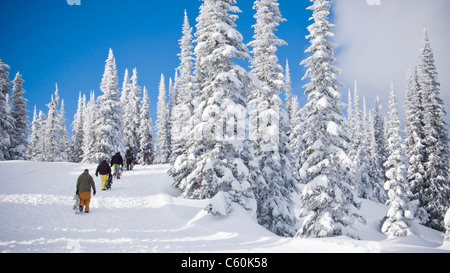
144 213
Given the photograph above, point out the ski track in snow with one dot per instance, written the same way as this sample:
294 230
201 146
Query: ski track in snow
144 213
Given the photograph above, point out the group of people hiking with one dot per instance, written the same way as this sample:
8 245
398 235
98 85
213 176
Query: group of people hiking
86 184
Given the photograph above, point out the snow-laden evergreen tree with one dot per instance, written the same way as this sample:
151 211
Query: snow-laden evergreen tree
145 130
288 91
376 173
225 168
89 140
108 122
34 137
351 115
172 103
329 202
400 215
183 112
447 226
375 190
173 96
295 138
378 150
19 147
76 147
126 86
435 193
63 136
162 126
36 149
360 155
414 140
131 113
52 146
271 124
6 120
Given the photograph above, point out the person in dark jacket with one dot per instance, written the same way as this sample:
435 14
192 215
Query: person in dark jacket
117 161
84 184
129 157
104 169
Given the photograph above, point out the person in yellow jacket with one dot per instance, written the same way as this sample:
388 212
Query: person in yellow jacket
104 169
84 184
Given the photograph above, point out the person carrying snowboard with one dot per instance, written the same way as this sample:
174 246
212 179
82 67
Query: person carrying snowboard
104 169
117 160
129 157
85 183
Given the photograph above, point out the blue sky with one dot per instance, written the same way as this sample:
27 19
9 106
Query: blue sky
50 42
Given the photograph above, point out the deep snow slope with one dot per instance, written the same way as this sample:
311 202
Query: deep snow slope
143 213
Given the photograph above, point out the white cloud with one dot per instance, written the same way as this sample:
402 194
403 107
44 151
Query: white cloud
377 44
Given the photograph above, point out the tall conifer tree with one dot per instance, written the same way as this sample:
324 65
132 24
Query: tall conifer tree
329 202
162 126
435 193
224 164
400 215
272 123
108 121
6 120
19 111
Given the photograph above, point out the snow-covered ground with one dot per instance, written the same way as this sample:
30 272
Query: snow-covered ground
143 213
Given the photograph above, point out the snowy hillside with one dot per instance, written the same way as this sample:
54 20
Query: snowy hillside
143 213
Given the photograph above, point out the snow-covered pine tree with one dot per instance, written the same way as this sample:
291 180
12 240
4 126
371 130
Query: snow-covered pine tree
76 147
162 126
131 113
224 164
37 145
379 151
360 155
89 140
34 138
52 147
375 188
375 173
173 97
295 138
400 215
271 124
329 202
126 86
172 103
145 130
435 193
19 147
447 226
183 112
63 136
6 120
414 139
351 115
108 122
288 91
124 101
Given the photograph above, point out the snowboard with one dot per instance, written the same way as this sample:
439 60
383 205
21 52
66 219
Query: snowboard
119 173
109 182
76 205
